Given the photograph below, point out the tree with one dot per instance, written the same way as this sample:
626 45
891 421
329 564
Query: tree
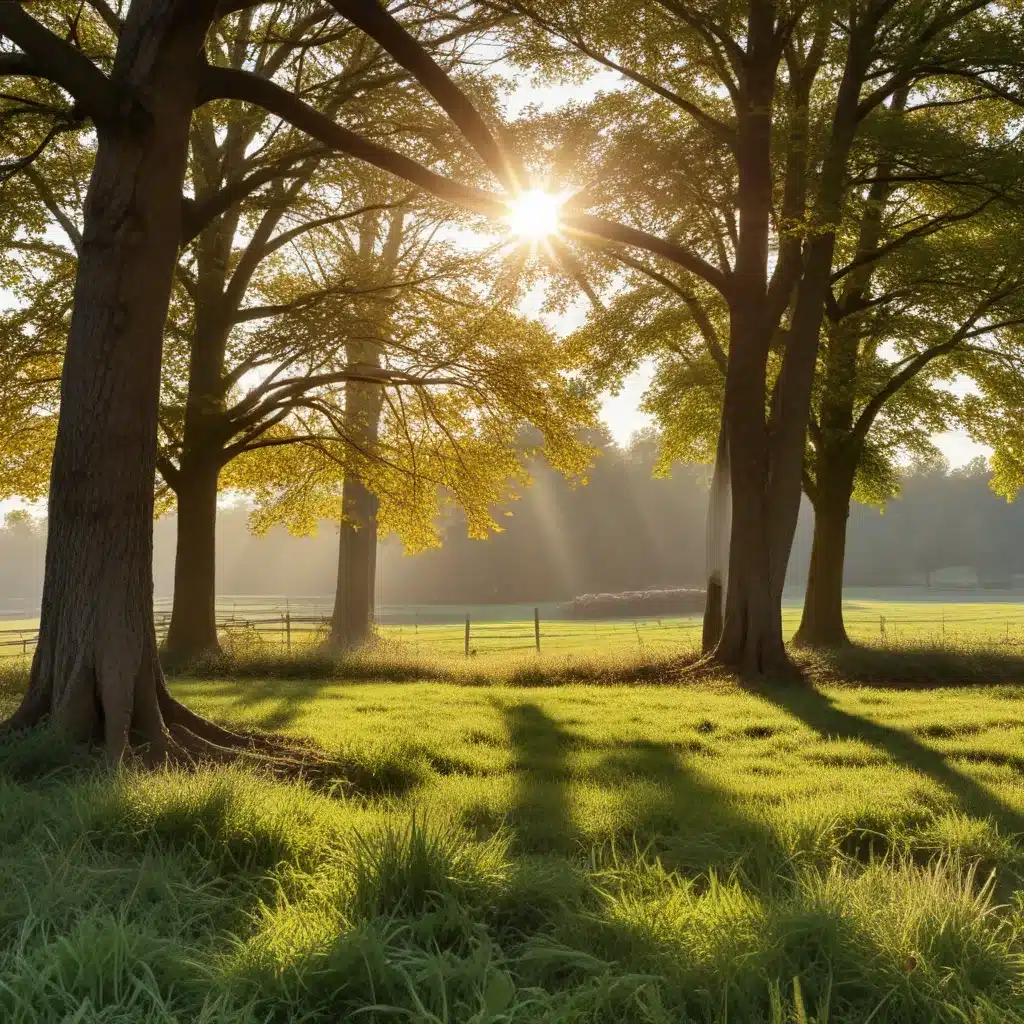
239 352
933 181
767 102
445 377
896 340
95 672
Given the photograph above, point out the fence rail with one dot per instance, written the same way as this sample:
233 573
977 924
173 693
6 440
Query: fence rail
286 631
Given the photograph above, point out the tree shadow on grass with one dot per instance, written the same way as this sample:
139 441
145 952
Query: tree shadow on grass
669 809
818 711
290 697
670 830
914 665
541 815
643 795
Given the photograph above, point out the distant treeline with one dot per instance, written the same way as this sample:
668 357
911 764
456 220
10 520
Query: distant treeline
623 530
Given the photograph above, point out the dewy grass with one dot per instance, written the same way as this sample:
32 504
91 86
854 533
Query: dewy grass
598 853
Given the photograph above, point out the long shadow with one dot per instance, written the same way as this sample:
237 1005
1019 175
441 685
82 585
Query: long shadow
291 697
658 803
818 711
916 666
541 815
691 824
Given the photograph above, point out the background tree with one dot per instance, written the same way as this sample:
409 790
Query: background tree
769 103
894 345
918 277
226 358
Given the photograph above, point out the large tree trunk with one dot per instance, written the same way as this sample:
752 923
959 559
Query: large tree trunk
95 673
193 629
352 621
751 635
822 622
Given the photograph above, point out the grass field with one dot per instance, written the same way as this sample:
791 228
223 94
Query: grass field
570 854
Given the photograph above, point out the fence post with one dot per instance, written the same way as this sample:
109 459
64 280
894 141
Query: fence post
536 627
288 630
467 634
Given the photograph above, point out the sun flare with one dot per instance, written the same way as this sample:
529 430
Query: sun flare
535 214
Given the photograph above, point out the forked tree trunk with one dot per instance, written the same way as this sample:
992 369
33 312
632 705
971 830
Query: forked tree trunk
193 629
95 673
821 624
352 621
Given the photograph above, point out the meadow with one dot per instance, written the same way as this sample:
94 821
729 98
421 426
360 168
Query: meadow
874 615
489 851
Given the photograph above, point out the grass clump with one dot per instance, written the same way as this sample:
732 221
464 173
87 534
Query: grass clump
573 853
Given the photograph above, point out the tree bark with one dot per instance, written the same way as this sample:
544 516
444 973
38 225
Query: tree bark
193 628
751 636
95 674
352 621
821 624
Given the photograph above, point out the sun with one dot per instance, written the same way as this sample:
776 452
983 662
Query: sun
535 214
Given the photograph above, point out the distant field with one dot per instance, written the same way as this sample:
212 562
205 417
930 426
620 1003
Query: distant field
881 616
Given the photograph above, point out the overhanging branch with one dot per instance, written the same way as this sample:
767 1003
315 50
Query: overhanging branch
50 57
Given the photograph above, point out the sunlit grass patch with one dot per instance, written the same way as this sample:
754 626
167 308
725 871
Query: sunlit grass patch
570 853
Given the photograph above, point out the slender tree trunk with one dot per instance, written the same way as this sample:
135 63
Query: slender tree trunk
96 674
822 622
355 597
193 628
717 556
352 621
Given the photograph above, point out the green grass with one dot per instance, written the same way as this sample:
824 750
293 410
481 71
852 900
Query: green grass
578 853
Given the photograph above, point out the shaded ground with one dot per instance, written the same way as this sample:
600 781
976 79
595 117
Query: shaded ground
566 854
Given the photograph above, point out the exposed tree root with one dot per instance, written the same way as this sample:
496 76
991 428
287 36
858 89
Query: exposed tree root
164 732
715 665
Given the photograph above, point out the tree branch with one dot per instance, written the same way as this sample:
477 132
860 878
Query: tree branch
588 225
228 83
52 58
914 367
410 54
196 216
50 202
697 311
107 14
